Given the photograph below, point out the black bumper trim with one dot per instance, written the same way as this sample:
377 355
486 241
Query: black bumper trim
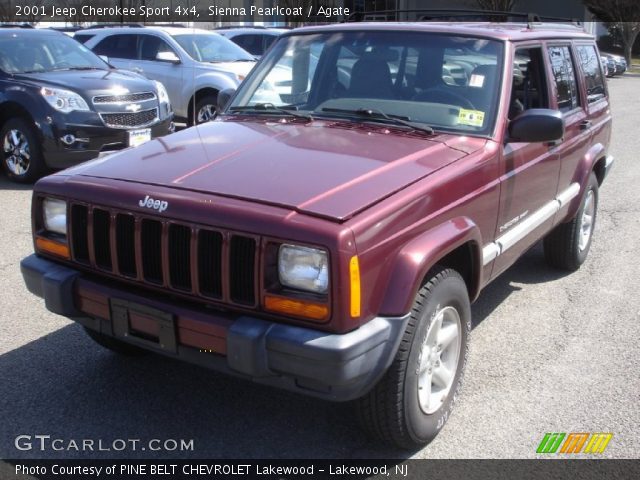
337 367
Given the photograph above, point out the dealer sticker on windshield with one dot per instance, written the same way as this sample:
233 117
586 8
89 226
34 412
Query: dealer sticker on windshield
473 118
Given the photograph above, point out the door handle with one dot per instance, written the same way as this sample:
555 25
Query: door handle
585 125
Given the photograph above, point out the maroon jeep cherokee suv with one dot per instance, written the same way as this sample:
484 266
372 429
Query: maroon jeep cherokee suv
328 231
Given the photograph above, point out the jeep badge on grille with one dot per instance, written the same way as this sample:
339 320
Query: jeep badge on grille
149 202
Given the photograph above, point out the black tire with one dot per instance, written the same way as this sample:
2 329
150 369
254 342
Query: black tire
11 163
115 345
392 410
562 246
208 100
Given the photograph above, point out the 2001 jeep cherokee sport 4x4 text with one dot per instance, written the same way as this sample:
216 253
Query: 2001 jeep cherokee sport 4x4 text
327 233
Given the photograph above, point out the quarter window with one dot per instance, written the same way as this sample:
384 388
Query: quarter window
565 78
593 79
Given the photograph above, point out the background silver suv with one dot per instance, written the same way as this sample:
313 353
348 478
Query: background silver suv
194 65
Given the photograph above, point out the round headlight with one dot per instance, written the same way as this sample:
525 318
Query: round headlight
303 268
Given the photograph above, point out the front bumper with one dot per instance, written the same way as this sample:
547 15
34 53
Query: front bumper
337 367
99 138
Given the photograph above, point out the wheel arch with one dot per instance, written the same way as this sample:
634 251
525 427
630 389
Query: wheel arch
455 244
11 109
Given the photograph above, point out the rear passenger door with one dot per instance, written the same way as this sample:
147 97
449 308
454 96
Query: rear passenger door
596 94
566 97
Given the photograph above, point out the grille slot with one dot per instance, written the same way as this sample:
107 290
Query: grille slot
126 244
101 243
79 233
126 98
151 236
126 119
242 270
210 263
180 257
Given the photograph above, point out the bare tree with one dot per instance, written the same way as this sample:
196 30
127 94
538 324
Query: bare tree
621 16
496 5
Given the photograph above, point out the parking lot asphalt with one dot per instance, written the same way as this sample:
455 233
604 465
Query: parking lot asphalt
550 352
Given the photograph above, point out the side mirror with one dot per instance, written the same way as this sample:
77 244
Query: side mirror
224 97
537 125
167 57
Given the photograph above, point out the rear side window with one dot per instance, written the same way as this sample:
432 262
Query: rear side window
565 78
82 37
118 46
590 66
250 42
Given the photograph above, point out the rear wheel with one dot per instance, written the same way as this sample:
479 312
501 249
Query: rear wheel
414 399
114 344
567 246
22 158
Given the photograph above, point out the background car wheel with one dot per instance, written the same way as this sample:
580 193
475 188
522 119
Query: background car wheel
414 399
205 110
566 247
21 154
114 344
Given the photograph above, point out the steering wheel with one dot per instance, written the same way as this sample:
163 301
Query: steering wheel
437 95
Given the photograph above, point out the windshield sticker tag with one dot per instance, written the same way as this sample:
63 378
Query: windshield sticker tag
473 118
476 80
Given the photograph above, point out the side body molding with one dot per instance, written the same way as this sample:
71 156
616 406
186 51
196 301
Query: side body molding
417 257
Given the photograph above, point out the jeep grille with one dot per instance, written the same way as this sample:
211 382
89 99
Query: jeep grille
209 263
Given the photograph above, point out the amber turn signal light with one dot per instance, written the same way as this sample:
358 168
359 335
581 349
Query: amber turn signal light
296 308
46 245
354 277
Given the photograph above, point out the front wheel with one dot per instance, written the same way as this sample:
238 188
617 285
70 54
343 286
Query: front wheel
22 158
414 399
205 110
566 246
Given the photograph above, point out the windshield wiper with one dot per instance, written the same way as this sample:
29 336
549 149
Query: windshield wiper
76 68
270 107
375 114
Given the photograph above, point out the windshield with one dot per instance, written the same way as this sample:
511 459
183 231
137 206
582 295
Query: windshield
444 81
212 48
45 53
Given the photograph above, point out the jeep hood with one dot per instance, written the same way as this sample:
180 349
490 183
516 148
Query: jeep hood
324 168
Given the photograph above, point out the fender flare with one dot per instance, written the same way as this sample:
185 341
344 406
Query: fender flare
417 257
584 169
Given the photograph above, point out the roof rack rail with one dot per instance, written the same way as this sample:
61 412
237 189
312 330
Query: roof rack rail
172 25
429 14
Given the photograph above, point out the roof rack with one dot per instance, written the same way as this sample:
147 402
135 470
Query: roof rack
233 27
533 20
172 25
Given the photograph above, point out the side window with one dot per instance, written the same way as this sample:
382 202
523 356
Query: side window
528 86
150 46
82 37
564 77
251 43
117 46
590 66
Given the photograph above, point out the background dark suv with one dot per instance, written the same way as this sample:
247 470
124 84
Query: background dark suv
60 104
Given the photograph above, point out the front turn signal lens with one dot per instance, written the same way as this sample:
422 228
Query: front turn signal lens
296 308
354 277
59 249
